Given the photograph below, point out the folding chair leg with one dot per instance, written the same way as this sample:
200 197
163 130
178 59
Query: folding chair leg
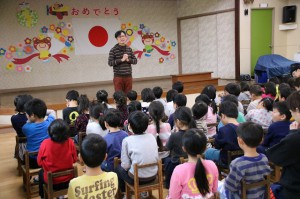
127 190
160 193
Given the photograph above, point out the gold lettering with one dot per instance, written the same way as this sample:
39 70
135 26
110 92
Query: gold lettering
109 193
91 188
77 191
106 184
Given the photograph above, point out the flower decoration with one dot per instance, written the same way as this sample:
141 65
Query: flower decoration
163 45
172 56
19 68
135 28
2 51
157 42
27 17
44 29
58 30
157 34
69 25
20 53
28 49
64 51
129 24
70 39
27 41
27 68
129 32
8 55
20 45
169 47
142 26
52 27
10 66
61 24
71 49
123 26
65 32
161 60
173 43
162 39
12 49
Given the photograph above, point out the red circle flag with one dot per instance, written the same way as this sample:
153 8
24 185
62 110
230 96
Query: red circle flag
98 36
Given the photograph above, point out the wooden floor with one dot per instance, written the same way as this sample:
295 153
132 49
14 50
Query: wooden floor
10 183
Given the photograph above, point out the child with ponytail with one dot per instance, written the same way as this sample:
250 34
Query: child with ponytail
198 178
183 120
160 130
96 124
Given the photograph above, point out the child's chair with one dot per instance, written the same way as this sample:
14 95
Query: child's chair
276 172
48 188
265 183
156 184
117 162
231 155
18 141
29 173
81 135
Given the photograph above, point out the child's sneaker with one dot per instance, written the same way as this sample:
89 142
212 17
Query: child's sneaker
144 194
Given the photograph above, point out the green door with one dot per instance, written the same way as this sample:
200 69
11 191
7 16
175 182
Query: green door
261 34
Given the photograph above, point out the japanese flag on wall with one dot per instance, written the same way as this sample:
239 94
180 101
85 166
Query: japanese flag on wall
94 36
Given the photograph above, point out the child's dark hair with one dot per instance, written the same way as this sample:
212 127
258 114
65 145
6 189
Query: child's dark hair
294 67
101 96
274 80
297 82
138 122
170 95
20 101
231 98
134 106
256 90
59 131
157 91
147 95
210 91
285 91
119 32
251 133
184 115
93 150
157 113
283 109
194 142
180 99
209 102
270 88
244 86
267 103
293 101
72 95
178 86
199 110
229 109
113 118
37 107
132 95
83 104
233 88
97 111
120 98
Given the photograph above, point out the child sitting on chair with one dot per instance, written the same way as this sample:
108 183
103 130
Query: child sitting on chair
51 159
140 148
71 113
95 183
252 167
202 174
36 129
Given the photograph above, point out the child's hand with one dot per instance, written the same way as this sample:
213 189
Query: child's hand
221 95
294 126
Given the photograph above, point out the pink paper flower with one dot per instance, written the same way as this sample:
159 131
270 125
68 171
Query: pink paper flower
27 68
19 68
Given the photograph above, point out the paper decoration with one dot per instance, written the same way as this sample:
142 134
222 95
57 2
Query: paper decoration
144 42
58 10
25 16
94 36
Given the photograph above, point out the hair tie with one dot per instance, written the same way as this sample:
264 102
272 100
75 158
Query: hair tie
101 114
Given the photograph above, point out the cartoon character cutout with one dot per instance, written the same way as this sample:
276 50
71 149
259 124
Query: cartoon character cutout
43 46
148 40
58 9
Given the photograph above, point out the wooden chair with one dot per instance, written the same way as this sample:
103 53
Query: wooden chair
276 172
48 188
156 184
231 155
265 183
28 174
18 141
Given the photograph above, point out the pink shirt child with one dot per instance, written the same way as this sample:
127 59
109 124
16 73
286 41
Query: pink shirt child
164 132
211 118
183 184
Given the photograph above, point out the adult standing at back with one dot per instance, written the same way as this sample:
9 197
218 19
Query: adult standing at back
120 58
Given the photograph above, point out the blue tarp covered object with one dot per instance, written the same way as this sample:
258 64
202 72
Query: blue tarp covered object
273 65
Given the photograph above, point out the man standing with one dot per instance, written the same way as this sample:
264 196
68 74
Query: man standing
120 58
